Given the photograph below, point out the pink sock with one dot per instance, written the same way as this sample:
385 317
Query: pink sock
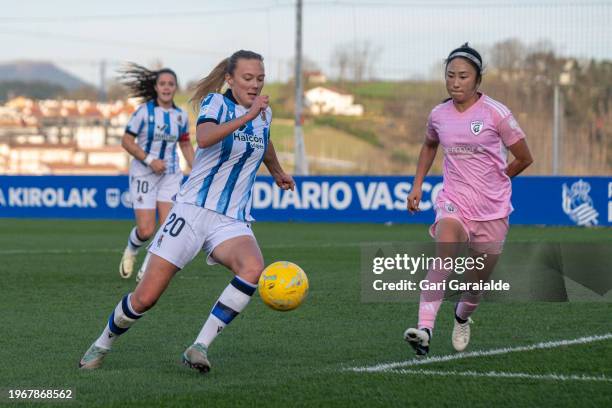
431 299
467 305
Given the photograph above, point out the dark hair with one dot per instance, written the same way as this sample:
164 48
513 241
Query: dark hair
141 81
215 80
470 55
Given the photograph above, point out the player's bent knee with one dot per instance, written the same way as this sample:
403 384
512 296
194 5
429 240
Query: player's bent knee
450 230
251 273
143 302
146 232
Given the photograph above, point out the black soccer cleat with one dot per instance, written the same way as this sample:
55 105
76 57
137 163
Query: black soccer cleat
418 340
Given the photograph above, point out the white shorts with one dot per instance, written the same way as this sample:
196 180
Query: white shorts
189 229
147 189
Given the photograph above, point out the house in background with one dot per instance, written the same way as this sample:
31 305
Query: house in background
63 136
315 77
327 100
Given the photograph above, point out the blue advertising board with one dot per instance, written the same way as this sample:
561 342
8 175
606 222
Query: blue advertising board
584 201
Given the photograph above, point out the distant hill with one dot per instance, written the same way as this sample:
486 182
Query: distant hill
26 71
29 89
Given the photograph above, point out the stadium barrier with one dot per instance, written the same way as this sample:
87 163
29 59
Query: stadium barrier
583 201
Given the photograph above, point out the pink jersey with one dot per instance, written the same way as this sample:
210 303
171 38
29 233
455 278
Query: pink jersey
474 144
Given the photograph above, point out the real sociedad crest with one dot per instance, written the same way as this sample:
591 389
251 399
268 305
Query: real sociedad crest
113 197
578 205
476 127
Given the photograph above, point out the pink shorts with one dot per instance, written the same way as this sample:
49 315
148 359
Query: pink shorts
483 236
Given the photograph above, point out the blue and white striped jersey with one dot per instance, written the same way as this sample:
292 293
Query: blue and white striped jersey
157 131
223 175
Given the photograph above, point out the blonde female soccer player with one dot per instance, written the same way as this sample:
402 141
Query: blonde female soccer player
151 137
474 131
212 210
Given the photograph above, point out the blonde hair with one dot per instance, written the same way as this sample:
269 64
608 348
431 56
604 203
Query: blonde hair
215 80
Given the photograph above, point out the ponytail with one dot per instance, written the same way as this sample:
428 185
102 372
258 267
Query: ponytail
214 81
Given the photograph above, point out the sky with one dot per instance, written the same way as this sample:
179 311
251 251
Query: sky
410 38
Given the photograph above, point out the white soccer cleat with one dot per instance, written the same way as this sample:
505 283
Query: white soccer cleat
126 267
93 357
196 357
461 334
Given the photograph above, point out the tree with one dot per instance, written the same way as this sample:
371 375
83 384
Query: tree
508 55
340 61
116 91
85 92
307 65
355 61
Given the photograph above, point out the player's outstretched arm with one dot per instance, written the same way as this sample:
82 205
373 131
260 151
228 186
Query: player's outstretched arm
522 158
426 158
282 179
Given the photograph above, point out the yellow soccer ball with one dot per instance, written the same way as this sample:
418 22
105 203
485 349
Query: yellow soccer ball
283 286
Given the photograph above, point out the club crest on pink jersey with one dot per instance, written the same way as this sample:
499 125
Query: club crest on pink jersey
476 126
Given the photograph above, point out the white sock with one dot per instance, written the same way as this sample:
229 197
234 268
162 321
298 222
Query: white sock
118 323
232 301
134 242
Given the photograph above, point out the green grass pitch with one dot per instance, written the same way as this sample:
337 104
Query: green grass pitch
59 282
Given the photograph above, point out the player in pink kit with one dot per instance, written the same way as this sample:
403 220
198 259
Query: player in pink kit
475 132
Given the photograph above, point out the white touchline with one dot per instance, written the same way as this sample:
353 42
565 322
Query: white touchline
329 245
56 251
22 251
482 353
502 374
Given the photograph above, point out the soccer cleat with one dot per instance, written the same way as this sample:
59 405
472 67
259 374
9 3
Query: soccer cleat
126 267
93 357
418 339
461 334
196 356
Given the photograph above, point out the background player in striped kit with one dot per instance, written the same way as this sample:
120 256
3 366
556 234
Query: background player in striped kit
151 137
212 210
474 204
